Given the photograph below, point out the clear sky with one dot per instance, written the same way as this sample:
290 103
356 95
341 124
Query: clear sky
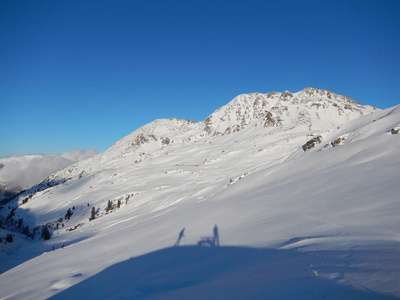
80 74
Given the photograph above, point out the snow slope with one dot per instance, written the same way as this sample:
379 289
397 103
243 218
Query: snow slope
321 223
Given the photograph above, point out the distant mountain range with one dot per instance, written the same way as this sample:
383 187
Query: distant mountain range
312 172
18 173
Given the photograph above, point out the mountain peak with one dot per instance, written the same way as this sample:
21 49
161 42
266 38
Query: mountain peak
309 111
286 110
315 110
313 92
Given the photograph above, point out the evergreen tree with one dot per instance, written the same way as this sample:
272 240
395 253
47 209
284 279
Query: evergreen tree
26 231
9 238
45 233
93 214
68 214
109 205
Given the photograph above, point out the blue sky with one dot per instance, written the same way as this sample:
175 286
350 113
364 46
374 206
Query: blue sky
80 74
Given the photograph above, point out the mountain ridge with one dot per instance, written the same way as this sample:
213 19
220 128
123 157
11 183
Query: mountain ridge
310 111
253 109
258 183
251 112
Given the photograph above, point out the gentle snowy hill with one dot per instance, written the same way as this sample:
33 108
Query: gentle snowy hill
301 189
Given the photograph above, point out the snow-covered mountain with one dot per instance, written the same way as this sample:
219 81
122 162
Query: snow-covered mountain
308 180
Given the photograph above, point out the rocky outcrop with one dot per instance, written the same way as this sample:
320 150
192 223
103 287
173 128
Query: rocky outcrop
312 143
395 130
338 141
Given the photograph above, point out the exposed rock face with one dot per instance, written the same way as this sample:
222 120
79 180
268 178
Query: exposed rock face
284 110
339 141
312 143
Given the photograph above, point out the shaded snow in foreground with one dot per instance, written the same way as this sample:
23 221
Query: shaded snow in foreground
233 273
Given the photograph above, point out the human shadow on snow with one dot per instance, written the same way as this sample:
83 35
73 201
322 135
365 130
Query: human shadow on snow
193 272
180 236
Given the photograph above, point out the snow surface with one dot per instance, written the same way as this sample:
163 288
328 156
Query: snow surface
293 224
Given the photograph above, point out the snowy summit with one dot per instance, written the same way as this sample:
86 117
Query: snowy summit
273 196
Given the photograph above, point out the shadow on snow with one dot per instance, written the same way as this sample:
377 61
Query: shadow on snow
193 272
36 248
